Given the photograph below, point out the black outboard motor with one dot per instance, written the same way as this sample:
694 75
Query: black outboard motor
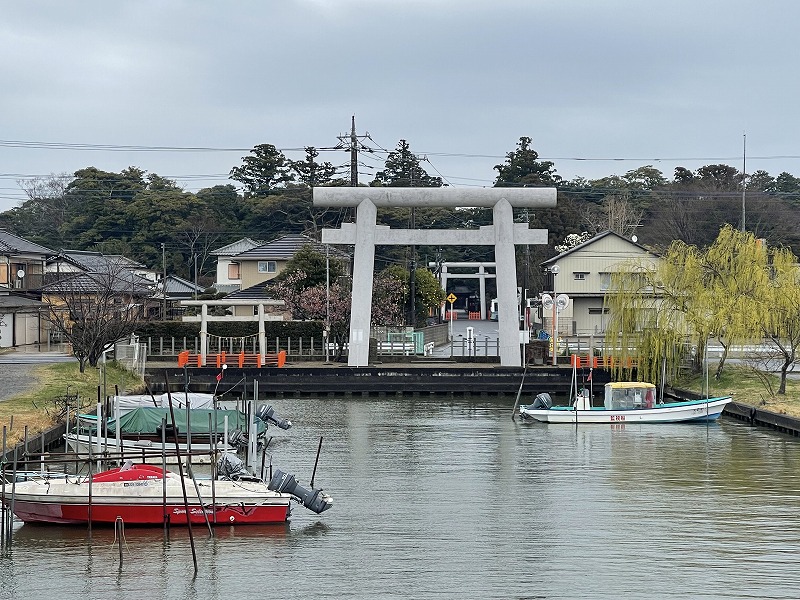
267 414
542 401
238 439
315 500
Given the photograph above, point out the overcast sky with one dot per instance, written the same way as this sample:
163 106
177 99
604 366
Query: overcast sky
602 86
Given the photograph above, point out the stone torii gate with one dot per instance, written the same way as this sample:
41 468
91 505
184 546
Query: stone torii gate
365 234
481 276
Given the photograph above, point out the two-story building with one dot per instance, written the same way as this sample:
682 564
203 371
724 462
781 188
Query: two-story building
22 267
251 268
228 278
584 274
264 262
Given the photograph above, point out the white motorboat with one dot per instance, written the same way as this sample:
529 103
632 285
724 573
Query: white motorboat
625 402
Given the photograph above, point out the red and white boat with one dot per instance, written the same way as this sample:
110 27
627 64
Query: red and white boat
144 494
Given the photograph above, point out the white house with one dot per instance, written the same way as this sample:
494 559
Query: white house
229 277
584 274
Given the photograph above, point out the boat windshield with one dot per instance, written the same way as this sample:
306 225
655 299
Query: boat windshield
628 397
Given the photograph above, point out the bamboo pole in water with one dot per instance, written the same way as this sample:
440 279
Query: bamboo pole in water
180 473
91 476
10 536
199 498
212 444
3 492
519 393
164 478
119 534
316 462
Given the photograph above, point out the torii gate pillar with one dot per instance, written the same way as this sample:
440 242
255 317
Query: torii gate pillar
365 234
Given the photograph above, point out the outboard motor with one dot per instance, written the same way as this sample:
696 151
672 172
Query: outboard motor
314 499
267 414
238 439
542 401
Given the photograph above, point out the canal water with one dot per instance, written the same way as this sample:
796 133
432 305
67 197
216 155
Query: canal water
452 499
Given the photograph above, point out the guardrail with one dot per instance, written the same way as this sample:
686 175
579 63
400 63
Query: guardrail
240 360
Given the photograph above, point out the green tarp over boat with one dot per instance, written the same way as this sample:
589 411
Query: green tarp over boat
146 420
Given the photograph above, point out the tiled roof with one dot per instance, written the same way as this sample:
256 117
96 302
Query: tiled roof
9 301
13 243
258 291
97 262
177 285
236 247
285 247
123 282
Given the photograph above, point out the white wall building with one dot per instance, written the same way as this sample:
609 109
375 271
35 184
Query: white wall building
584 274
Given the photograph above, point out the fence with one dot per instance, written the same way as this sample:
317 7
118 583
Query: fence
132 356
429 341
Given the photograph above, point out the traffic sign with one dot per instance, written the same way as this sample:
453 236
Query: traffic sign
451 298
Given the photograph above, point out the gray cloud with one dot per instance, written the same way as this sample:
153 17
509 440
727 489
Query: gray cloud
636 80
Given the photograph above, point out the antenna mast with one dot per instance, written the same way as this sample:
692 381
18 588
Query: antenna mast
744 177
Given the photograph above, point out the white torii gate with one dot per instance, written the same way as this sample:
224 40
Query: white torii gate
481 276
365 234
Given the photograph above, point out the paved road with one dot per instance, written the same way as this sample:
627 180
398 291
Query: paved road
16 368
484 332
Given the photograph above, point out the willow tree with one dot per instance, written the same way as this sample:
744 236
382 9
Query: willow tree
659 315
736 269
778 306
648 310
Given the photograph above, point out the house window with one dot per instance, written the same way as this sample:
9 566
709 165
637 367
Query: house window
580 276
233 271
598 311
605 281
267 266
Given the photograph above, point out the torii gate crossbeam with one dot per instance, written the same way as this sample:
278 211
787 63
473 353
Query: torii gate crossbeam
365 234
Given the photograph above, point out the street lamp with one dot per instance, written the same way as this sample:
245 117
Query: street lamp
326 332
554 270
557 303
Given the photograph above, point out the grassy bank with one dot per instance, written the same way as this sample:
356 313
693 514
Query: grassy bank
747 388
40 406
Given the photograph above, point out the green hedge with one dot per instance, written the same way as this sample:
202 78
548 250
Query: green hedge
179 329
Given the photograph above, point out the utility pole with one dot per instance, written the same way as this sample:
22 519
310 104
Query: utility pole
353 154
413 276
195 275
163 282
352 143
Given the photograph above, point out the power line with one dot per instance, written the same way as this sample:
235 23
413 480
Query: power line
344 146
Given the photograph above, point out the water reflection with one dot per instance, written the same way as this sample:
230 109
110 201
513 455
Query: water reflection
452 499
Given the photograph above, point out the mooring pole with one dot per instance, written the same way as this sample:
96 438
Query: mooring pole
180 472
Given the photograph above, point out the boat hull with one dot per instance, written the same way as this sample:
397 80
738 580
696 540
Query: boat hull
143 502
676 412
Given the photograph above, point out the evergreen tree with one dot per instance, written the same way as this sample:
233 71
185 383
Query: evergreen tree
402 169
263 171
523 168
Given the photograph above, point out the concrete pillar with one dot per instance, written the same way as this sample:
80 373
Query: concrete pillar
482 288
262 334
505 259
363 267
444 287
203 333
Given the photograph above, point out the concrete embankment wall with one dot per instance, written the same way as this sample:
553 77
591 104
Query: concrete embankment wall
401 380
